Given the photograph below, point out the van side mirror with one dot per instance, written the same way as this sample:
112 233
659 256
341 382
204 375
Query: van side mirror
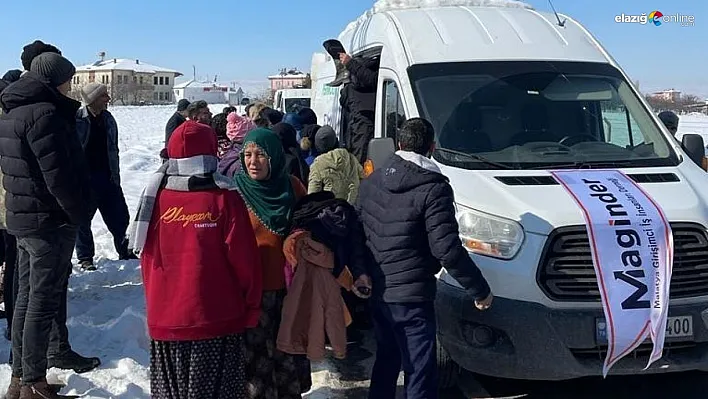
695 148
380 149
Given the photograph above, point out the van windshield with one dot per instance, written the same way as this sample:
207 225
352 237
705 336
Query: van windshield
537 115
296 104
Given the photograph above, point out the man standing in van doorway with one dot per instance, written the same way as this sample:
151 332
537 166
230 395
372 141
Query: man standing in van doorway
358 101
407 208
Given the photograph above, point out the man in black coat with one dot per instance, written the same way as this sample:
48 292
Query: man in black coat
408 212
670 120
358 101
177 119
46 181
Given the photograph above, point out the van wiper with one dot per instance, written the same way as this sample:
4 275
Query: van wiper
585 165
475 157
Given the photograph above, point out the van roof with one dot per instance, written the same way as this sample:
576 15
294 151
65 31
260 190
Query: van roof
474 33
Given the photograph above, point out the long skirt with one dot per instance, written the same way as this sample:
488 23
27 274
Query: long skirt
272 374
213 368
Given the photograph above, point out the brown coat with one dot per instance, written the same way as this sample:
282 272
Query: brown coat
314 304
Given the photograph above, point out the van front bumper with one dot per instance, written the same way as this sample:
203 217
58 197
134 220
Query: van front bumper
523 340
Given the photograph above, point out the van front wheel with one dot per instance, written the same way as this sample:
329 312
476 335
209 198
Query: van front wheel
448 370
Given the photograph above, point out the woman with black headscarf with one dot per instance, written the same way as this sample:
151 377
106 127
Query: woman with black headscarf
218 123
294 161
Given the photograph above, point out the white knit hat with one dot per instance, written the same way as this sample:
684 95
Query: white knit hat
92 91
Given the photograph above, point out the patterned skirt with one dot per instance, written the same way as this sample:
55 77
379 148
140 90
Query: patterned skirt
270 373
213 368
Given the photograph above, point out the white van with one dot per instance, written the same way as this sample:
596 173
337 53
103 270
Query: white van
513 94
290 100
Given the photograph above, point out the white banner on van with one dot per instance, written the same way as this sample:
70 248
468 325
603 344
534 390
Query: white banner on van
632 252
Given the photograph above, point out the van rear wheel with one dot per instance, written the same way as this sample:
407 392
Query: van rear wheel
448 370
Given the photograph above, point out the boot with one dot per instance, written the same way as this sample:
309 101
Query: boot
13 391
41 390
342 76
129 256
87 265
73 361
334 47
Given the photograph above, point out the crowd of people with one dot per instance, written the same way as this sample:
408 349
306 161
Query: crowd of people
260 241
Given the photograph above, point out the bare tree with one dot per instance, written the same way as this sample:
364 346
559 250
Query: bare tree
659 103
75 92
264 96
687 103
307 83
121 93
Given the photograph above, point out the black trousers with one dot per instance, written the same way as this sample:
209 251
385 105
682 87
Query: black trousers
10 281
405 338
107 198
43 269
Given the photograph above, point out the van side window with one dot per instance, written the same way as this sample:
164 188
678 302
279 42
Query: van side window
393 113
620 127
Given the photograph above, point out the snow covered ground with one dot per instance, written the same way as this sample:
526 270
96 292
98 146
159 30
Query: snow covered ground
107 309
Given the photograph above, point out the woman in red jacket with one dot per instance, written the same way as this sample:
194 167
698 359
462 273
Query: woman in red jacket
201 271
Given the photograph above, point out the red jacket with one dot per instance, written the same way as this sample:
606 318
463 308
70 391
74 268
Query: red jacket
201 267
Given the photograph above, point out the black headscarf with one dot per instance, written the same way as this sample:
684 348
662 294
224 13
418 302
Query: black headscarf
294 162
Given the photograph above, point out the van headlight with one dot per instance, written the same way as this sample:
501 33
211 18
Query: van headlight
489 235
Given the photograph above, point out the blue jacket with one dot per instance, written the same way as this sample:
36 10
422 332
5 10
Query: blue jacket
83 129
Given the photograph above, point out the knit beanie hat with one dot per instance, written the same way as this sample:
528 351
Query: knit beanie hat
56 69
237 127
92 91
191 139
325 139
30 51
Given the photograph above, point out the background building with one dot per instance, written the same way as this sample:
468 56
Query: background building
288 79
668 95
130 82
212 93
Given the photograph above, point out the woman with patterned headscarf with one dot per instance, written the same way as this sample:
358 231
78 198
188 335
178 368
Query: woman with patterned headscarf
270 193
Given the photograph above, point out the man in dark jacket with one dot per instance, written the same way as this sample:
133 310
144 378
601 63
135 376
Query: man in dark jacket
358 101
98 134
45 178
177 119
670 120
408 212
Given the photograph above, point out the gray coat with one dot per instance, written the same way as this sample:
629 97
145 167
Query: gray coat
83 129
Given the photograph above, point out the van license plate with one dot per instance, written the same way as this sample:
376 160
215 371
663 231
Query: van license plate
676 327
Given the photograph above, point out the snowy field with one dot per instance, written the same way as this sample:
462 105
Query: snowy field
107 309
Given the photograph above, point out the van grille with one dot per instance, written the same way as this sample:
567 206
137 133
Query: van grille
566 271
550 181
642 352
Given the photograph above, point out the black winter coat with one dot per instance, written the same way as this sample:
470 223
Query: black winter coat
172 124
358 101
45 172
408 214
334 223
297 166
